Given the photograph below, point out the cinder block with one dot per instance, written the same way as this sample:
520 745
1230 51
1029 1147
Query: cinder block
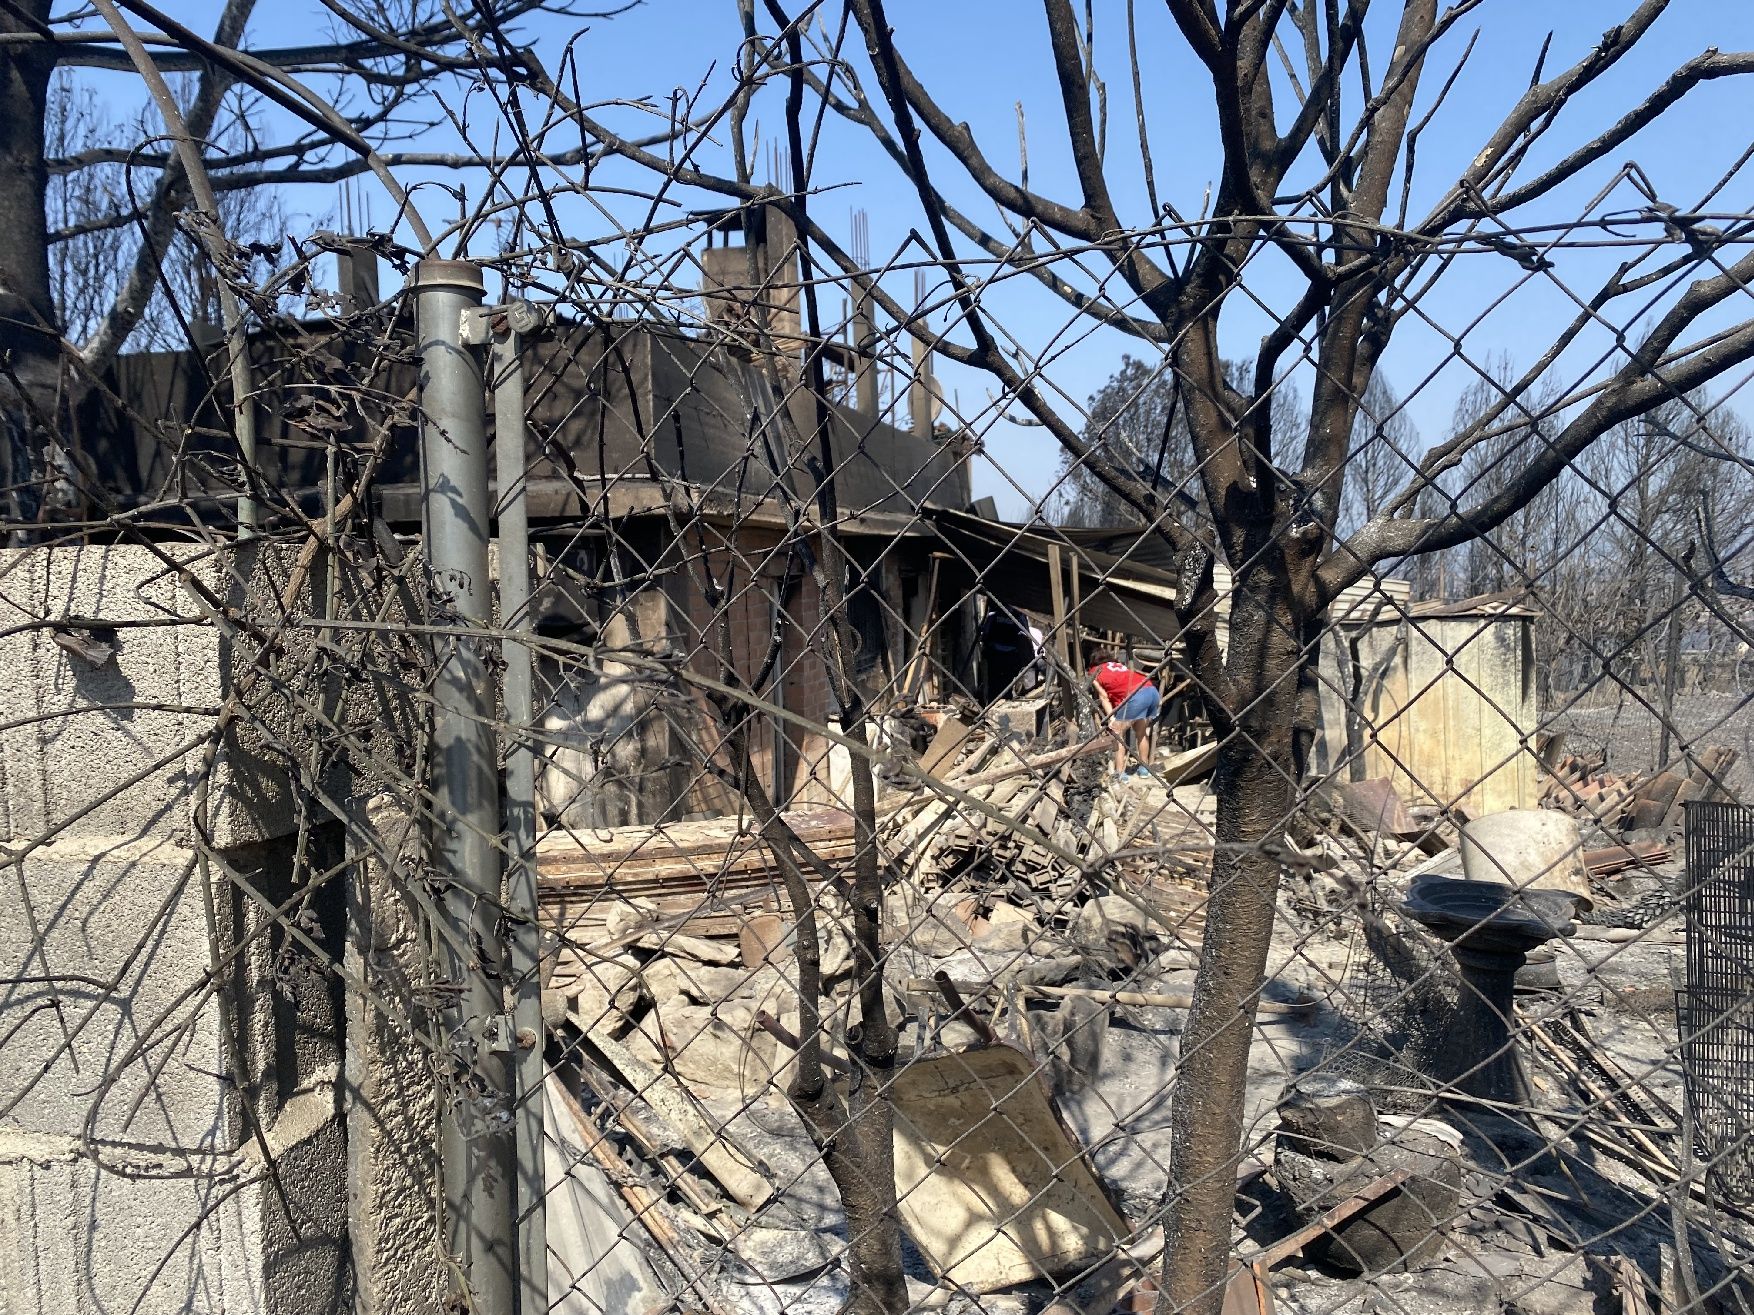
84 737
297 1232
159 1234
72 767
83 1241
122 958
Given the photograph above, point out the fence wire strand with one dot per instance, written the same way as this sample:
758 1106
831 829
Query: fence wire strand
1289 868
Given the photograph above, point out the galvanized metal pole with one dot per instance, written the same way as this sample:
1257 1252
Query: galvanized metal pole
507 374
476 1140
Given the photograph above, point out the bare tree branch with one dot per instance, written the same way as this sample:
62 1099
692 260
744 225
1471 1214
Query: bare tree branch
158 216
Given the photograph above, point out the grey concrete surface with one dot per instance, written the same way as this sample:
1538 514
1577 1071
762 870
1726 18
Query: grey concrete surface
154 1231
113 1033
392 1116
161 1149
114 747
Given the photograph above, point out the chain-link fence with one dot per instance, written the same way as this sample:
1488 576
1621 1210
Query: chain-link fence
543 781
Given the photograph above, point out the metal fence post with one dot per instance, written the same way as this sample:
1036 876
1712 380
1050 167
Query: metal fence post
476 1141
507 376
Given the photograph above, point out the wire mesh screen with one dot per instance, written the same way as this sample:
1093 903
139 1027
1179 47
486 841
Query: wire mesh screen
1717 1029
1405 1031
595 729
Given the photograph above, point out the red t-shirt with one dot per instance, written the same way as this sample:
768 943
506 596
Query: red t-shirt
1118 680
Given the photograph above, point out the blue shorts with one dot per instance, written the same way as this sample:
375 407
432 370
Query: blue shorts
1141 705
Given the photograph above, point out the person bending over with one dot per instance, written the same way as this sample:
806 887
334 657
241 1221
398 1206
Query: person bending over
1131 701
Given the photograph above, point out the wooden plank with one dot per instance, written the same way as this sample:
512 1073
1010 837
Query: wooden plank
563 860
894 624
951 736
1057 595
1138 999
1188 766
715 925
683 872
920 660
1287 1247
627 1117
1076 630
681 838
735 1171
1065 643
1629 1280
708 875
1033 764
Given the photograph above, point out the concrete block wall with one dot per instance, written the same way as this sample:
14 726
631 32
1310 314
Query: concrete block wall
113 1033
130 1177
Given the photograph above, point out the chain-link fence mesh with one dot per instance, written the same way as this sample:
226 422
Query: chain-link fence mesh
540 786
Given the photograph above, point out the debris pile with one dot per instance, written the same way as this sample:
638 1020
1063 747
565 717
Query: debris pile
1042 918
1035 826
674 988
1622 804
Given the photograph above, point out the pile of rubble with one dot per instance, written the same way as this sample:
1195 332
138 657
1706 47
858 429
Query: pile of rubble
1637 802
674 988
1045 830
1041 924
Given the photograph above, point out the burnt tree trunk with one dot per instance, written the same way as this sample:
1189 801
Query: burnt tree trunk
859 1153
29 340
1259 765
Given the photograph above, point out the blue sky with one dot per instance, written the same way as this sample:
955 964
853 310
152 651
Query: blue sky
984 57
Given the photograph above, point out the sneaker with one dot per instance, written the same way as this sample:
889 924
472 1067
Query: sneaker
1141 770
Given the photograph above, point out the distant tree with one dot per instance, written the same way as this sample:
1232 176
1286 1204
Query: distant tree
1385 452
1642 490
1598 551
91 259
1137 421
1521 550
